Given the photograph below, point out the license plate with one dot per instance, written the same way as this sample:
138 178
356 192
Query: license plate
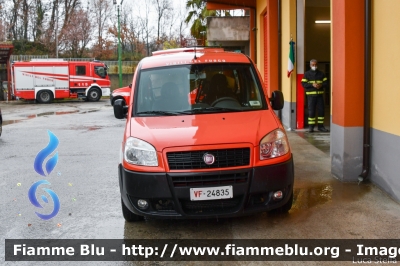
211 193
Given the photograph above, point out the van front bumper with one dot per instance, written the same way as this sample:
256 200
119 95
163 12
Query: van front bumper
168 194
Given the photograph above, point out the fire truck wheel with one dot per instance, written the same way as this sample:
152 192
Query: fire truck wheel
45 96
94 95
128 215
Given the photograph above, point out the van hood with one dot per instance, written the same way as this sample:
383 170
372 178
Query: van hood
204 129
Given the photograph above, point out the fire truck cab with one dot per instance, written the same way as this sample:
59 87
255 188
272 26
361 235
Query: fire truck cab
45 80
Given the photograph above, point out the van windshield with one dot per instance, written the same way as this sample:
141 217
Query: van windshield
199 88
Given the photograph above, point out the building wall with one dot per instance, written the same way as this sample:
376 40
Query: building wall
288 31
385 57
231 33
288 22
347 70
228 28
261 8
385 136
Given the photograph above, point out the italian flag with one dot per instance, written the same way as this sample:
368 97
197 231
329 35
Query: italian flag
290 66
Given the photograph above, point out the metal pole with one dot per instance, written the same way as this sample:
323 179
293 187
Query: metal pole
119 51
57 31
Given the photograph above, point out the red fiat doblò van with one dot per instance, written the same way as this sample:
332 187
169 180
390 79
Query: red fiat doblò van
202 139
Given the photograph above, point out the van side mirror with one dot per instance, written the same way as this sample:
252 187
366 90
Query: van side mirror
277 101
130 85
120 110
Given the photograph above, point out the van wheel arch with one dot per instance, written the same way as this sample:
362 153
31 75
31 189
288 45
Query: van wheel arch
128 215
118 98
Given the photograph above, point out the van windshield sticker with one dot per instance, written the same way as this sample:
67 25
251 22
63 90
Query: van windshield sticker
254 103
216 60
178 63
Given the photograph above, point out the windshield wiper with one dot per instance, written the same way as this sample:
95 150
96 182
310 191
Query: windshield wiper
159 113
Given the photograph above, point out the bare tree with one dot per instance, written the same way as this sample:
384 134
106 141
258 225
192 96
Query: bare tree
77 34
103 11
58 24
162 8
4 22
177 25
25 19
144 23
70 6
129 30
37 19
54 12
14 19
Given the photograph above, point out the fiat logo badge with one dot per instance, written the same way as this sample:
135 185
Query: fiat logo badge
208 158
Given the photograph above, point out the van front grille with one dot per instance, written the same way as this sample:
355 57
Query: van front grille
187 160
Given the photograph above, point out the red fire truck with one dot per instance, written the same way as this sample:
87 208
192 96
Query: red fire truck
46 79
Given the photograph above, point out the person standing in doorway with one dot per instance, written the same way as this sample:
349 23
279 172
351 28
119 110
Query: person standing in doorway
314 82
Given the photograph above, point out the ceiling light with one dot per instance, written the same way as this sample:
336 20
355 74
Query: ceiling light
323 22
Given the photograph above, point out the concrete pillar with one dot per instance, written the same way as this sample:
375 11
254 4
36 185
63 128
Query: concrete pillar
347 88
288 85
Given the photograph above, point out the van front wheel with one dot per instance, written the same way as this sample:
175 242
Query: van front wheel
128 215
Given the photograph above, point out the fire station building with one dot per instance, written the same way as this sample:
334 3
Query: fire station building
356 43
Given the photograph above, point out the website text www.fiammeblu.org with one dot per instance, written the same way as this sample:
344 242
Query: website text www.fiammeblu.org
384 251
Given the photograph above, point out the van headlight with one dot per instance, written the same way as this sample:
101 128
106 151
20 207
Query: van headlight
273 145
139 152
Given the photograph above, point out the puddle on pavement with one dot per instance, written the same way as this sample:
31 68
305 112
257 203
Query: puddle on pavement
89 128
306 198
8 122
89 111
52 113
93 128
336 193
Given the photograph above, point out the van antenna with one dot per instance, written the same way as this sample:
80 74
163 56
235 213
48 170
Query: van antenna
195 57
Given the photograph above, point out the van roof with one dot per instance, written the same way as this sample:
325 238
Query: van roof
188 50
192 55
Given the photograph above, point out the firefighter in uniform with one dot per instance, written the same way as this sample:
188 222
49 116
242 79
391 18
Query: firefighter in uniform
314 82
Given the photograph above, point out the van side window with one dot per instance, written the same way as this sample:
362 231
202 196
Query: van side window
80 70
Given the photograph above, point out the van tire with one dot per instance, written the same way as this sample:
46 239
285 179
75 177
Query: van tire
94 95
128 215
44 96
118 98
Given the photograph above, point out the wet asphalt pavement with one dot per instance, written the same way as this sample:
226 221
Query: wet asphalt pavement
85 180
